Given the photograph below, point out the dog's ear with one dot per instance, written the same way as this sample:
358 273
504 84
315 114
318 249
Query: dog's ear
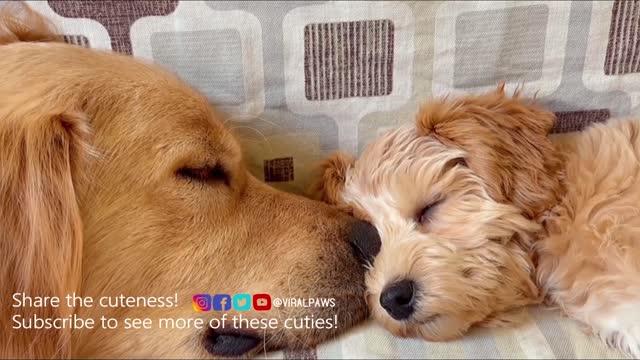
42 156
18 22
506 142
331 177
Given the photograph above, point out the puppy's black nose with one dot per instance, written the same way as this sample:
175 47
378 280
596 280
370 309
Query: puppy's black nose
399 299
365 241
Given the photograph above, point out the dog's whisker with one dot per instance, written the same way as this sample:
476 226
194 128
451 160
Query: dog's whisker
252 117
264 342
264 138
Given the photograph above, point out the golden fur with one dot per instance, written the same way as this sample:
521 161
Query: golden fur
97 197
518 217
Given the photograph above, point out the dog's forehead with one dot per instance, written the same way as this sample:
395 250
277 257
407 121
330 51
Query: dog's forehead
379 208
159 109
398 155
204 142
160 127
399 146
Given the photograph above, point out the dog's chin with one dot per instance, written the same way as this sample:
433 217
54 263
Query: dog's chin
234 343
439 328
430 327
248 343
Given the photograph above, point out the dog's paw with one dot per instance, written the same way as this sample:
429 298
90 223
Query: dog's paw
622 334
623 341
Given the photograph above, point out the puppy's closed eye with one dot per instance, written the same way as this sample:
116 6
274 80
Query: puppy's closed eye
205 174
425 215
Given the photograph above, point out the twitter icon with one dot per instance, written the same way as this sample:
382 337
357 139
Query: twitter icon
242 302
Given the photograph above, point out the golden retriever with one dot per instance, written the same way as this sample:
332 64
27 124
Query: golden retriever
482 212
116 178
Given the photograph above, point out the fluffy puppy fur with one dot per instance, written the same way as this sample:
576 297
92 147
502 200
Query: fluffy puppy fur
118 178
486 213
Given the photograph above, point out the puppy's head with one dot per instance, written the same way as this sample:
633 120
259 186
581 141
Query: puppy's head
454 198
116 178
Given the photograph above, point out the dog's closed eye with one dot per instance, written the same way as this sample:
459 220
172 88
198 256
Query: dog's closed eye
205 174
425 215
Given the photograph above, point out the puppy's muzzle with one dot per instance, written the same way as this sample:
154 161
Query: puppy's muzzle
399 298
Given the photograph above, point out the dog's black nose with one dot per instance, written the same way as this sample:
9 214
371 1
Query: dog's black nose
365 241
399 299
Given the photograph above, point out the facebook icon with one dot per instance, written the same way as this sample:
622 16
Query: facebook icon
221 302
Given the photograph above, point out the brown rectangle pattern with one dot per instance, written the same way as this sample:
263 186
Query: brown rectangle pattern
79 40
623 49
348 59
568 121
278 170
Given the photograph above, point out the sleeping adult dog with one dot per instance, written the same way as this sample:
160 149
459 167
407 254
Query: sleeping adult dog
117 178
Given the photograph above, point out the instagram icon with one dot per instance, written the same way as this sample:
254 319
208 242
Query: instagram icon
201 302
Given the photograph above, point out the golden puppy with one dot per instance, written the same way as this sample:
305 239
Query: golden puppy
118 178
481 213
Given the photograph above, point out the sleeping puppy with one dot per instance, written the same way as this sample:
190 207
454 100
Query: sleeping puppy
118 178
481 213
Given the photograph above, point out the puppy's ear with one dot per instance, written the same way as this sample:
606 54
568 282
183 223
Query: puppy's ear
506 142
42 156
332 174
19 23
